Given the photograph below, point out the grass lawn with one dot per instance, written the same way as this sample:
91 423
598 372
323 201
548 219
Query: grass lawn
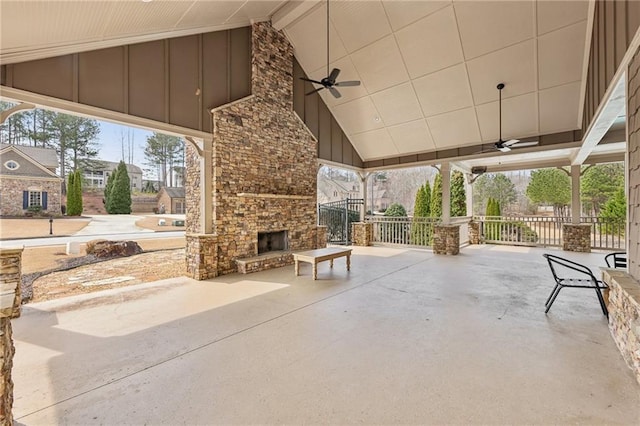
39 227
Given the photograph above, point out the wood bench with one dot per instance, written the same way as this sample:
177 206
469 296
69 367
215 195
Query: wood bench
320 255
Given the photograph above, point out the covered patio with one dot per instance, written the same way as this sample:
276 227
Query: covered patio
404 337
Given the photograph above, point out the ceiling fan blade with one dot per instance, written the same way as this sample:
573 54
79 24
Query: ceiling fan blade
313 91
525 144
347 83
510 142
334 74
311 81
335 92
503 148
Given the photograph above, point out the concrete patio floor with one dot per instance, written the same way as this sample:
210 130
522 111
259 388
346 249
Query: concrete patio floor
404 337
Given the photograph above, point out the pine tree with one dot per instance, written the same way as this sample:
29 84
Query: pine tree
458 195
419 229
427 199
78 190
119 198
71 195
107 190
436 197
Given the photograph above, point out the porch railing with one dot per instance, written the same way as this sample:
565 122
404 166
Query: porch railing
409 231
546 231
543 231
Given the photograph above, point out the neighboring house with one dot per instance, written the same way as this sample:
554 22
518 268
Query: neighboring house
330 190
171 200
97 176
28 180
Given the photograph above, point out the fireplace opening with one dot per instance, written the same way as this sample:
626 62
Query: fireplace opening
272 241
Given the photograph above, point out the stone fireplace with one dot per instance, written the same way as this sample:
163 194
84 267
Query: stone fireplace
272 241
264 174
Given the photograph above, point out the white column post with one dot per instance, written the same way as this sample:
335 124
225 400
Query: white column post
445 170
363 190
575 194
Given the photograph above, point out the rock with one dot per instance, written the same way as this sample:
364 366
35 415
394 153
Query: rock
107 249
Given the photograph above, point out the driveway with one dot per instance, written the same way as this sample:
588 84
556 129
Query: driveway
112 224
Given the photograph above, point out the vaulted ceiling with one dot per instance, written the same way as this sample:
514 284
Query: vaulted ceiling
429 69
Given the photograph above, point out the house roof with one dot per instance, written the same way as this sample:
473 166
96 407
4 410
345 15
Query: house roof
175 192
112 165
45 156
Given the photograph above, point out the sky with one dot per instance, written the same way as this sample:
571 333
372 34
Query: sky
111 146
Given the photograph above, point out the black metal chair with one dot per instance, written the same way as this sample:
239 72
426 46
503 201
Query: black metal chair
616 260
567 273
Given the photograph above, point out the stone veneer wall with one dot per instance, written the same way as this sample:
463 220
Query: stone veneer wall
10 299
362 233
264 166
11 190
321 237
624 316
633 147
446 239
576 238
474 232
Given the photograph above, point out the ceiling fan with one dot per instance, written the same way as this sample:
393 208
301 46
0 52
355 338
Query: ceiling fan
329 82
506 146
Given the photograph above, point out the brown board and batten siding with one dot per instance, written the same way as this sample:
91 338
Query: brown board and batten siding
333 143
175 81
614 25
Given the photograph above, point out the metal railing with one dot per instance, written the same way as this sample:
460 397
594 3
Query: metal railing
417 231
546 231
338 216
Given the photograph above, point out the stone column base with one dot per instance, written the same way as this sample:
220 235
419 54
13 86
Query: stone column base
474 232
321 236
202 256
576 237
362 234
446 239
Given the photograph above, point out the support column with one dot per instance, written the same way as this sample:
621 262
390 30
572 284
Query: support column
575 194
445 171
10 302
363 190
206 187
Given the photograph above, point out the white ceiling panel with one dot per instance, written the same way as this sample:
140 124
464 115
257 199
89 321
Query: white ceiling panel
443 91
397 104
51 23
559 108
347 72
453 129
412 137
380 65
201 13
309 39
140 18
375 144
402 13
359 23
262 9
486 26
519 118
561 54
513 66
556 14
358 116
431 44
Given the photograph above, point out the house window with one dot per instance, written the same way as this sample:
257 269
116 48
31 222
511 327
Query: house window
35 198
11 165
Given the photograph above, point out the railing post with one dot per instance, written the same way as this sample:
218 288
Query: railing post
346 221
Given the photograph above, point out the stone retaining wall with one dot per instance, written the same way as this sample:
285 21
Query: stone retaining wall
446 239
576 237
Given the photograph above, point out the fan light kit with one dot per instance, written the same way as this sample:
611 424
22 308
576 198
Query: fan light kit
329 82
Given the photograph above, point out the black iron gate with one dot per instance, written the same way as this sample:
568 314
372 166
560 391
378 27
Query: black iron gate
338 217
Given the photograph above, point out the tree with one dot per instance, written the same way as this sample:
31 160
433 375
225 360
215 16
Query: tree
436 197
74 194
493 185
119 196
598 184
13 130
421 230
165 153
75 141
458 195
396 210
107 189
551 187
614 213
